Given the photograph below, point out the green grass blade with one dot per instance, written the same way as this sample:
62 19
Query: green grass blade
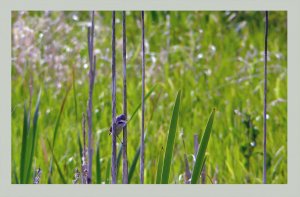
159 166
108 171
187 176
119 159
51 164
59 117
170 141
133 165
203 163
59 171
98 163
32 139
49 181
80 146
15 173
54 137
23 149
187 170
139 106
202 149
74 92
33 135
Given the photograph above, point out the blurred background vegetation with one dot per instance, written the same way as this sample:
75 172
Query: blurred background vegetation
215 58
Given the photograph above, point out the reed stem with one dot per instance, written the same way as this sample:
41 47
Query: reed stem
113 66
143 104
265 98
125 161
92 60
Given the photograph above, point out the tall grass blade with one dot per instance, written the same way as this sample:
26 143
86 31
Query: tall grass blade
119 159
74 92
79 145
32 138
57 123
28 143
170 141
202 149
125 160
159 166
108 171
188 174
133 164
49 181
142 155
98 163
59 171
23 160
59 117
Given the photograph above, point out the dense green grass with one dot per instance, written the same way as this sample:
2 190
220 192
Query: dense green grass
214 58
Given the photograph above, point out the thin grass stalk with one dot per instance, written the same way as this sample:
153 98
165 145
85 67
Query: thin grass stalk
159 166
80 146
92 60
49 179
84 160
113 67
74 92
188 175
60 172
125 161
265 99
75 105
142 160
107 175
98 162
57 123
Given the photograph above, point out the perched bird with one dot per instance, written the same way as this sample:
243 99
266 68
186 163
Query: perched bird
121 122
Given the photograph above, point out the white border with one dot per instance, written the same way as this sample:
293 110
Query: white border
290 189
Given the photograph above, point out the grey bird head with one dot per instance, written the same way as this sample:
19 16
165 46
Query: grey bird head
120 123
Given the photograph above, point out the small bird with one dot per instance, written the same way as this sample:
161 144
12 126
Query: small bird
121 122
